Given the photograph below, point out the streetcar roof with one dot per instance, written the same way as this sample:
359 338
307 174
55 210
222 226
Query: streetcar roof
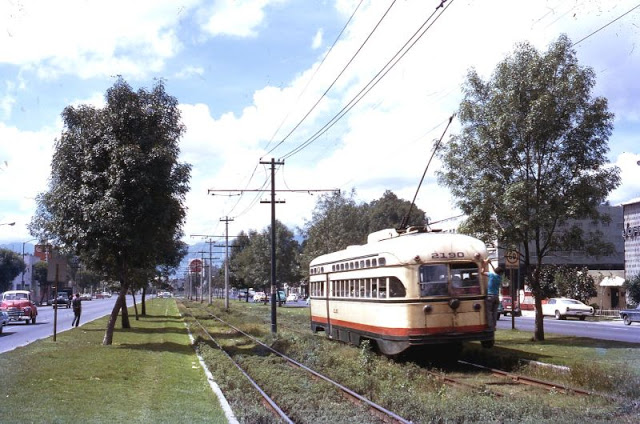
410 247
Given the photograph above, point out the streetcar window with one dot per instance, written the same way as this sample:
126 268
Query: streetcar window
396 288
464 278
433 280
382 261
361 264
352 289
374 288
374 262
367 284
368 263
382 286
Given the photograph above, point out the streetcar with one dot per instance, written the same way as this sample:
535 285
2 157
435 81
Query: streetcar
402 289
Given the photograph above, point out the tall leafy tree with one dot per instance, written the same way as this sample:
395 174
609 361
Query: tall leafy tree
11 265
116 192
531 153
389 211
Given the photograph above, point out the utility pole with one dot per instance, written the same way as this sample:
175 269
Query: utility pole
226 221
274 284
274 287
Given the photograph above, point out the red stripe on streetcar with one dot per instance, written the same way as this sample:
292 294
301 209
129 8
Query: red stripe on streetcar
400 332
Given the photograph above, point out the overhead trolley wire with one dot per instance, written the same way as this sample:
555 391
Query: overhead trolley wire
336 78
285 118
315 73
411 42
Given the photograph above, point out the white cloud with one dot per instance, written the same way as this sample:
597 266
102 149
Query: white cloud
239 18
316 43
90 38
190 71
629 164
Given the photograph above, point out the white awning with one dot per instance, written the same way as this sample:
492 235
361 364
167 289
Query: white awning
612 282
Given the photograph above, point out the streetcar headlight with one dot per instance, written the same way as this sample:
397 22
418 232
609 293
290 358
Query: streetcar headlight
477 306
427 309
454 303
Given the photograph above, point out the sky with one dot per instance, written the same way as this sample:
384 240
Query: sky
266 79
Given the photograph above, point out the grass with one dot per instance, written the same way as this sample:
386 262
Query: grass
404 387
149 375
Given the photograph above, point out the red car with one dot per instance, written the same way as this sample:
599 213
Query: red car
18 305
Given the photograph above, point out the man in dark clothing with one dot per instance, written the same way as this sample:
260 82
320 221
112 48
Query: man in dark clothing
76 303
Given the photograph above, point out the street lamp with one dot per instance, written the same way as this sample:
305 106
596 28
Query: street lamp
22 286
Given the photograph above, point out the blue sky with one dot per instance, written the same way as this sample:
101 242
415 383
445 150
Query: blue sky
246 72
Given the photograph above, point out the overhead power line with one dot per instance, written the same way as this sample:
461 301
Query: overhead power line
313 76
335 79
411 42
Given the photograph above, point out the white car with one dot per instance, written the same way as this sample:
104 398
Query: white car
292 297
260 297
562 307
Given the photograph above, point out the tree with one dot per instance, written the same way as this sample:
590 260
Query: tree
389 211
339 221
252 264
632 286
116 192
11 265
531 154
565 281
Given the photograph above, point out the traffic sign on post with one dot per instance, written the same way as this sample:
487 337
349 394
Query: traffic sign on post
512 259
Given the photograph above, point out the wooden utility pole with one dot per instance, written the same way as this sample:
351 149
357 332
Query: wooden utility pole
274 284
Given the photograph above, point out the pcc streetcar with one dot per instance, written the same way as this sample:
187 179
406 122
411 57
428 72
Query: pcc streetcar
403 288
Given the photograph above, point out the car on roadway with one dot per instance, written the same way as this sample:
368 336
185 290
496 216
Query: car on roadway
62 299
260 297
630 315
292 297
86 296
4 320
562 307
19 306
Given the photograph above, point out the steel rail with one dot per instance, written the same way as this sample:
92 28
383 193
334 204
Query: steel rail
264 395
345 389
531 381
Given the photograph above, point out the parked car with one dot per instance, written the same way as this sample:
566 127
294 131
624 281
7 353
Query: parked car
4 320
19 306
630 315
86 296
505 307
260 297
292 297
562 307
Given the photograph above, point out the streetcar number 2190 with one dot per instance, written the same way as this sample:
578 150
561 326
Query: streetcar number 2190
449 255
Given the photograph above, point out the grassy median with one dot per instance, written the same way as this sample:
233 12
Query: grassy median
149 375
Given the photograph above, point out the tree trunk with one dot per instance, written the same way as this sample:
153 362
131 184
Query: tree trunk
538 333
125 311
143 308
135 307
108 335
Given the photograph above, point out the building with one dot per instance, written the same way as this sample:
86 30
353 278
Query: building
631 237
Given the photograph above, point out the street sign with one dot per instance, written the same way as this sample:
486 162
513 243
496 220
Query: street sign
512 259
195 265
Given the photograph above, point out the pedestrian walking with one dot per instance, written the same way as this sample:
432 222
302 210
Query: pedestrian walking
76 303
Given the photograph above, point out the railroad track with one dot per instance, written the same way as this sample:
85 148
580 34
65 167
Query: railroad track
376 410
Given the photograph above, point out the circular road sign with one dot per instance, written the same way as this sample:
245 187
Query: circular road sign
512 258
195 265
